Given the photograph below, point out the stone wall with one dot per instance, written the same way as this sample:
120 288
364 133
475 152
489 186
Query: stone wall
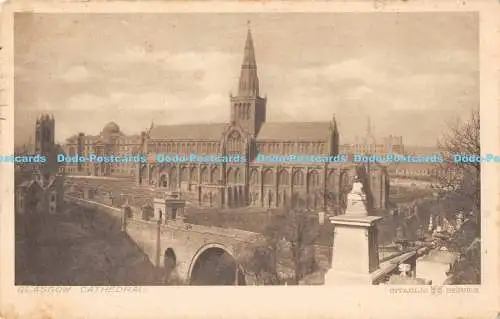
144 235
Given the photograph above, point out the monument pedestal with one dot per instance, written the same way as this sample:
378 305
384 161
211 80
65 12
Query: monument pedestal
355 250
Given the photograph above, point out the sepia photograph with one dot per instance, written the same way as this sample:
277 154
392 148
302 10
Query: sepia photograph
269 148
209 149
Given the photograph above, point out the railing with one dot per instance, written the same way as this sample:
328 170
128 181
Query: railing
389 267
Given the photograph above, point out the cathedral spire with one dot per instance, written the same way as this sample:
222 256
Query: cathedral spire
249 81
152 124
249 54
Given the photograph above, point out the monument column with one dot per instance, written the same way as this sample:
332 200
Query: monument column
355 247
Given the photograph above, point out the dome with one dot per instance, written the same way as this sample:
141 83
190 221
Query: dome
111 127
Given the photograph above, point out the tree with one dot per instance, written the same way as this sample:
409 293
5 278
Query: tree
467 271
299 228
459 185
287 239
461 182
301 235
259 261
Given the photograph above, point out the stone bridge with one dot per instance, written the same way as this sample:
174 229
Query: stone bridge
188 252
203 255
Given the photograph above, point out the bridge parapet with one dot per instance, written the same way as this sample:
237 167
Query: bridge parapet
88 203
214 231
241 235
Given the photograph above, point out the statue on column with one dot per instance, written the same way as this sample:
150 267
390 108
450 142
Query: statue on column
356 200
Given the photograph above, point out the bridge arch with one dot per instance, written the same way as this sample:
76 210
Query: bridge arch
215 265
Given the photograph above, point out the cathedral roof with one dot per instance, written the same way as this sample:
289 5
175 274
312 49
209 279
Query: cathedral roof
294 131
278 131
199 132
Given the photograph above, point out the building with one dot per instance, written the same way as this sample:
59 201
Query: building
370 145
248 133
41 191
111 141
422 171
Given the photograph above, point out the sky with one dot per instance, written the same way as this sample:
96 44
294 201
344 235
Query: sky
412 73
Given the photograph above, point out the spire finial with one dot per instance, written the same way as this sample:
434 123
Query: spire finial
248 24
333 123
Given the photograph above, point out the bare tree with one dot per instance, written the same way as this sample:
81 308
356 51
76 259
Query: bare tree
288 239
460 187
301 232
299 228
461 182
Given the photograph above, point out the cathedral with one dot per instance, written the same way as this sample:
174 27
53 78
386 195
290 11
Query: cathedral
43 191
248 133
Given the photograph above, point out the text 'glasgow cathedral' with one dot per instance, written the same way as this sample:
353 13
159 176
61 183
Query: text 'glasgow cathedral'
318 185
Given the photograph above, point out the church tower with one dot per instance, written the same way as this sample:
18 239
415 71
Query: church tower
248 109
45 146
44 134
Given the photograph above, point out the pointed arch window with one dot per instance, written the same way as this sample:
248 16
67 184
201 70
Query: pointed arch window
283 178
254 177
268 177
230 176
215 176
298 178
237 176
234 143
185 174
313 179
332 180
204 175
